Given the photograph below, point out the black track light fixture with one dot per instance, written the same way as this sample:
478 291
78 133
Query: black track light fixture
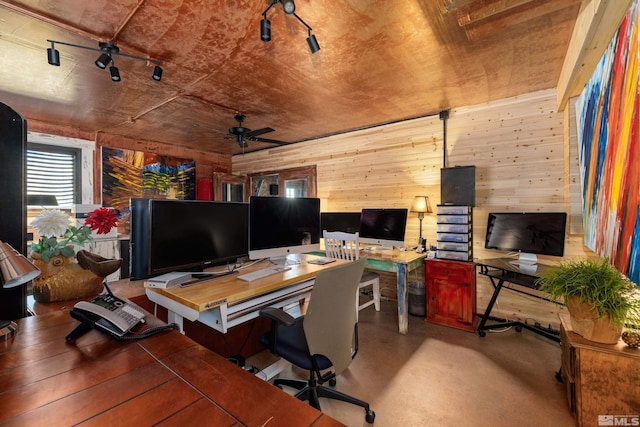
289 8
113 70
53 56
107 50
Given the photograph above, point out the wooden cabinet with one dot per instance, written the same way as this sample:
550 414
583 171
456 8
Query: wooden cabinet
451 293
602 381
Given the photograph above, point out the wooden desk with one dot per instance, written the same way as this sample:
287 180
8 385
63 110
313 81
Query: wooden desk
224 302
167 379
400 263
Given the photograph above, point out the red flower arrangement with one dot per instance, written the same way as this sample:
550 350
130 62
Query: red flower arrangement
102 220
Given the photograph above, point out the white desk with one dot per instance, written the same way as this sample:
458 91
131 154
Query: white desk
224 302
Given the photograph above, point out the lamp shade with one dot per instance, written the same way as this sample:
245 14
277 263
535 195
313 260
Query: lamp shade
421 205
15 269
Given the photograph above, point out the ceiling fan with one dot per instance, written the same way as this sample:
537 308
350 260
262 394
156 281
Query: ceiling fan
243 134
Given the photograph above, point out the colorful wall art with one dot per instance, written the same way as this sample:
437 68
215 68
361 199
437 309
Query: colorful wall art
128 173
607 113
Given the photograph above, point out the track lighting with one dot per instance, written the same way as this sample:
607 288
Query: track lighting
53 56
115 74
289 8
107 50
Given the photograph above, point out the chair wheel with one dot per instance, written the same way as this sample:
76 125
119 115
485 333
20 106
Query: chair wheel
370 417
332 382
518 328
482 333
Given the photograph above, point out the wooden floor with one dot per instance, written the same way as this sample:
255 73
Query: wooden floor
440 376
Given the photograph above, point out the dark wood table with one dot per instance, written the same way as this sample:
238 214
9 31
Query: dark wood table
167 379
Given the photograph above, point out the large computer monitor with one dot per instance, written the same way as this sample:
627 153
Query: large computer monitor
527 233
173 235
279 226
383 227
348 222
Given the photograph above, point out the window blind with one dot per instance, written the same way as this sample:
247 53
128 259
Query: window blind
53 171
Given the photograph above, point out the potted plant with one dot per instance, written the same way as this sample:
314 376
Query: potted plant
599 298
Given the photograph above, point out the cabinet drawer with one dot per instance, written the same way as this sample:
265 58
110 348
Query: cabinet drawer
453 246
448 270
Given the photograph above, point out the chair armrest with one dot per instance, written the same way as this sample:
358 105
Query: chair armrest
278 315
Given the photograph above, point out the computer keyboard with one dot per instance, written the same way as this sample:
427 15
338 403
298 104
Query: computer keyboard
264 272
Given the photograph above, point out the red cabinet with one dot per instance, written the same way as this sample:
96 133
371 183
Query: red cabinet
451 293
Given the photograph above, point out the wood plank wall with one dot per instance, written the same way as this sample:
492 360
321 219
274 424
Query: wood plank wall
525 161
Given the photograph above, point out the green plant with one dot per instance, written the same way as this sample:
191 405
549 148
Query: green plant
594 281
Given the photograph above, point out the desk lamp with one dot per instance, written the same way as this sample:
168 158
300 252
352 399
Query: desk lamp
421 206
15 270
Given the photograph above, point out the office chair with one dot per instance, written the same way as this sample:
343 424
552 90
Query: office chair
326 336
342 245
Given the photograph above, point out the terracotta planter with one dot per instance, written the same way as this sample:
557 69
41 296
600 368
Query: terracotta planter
62 278
586 323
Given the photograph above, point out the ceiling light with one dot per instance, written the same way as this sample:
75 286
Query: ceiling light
313 43
53 56
265 29
115 74
103 61
106 57
157 73
289 8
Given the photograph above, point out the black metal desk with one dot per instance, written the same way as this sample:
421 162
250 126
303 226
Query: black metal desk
500 271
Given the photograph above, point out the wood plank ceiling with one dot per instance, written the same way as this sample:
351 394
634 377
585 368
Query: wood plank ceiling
379 62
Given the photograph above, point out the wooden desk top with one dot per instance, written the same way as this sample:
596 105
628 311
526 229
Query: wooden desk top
208 294
167 379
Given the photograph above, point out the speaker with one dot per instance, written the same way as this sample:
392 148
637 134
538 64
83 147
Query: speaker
13 180
458 185
273 189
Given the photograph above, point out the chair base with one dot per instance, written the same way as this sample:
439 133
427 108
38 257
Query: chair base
312 394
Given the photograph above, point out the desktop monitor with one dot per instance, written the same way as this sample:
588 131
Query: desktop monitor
180 235
348 222
279 226
384 227
527 233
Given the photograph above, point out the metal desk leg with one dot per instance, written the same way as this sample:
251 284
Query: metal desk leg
492 301
403 300
173 317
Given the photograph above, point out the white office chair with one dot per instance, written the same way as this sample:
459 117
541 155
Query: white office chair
340 245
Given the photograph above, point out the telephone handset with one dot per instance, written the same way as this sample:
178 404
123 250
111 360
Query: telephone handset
109 313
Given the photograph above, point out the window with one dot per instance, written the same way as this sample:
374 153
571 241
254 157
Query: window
54 170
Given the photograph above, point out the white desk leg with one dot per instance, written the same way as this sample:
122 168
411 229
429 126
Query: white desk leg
174 317
272 370
403 300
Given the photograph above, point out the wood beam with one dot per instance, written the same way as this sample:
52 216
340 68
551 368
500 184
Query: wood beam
597 22
470 15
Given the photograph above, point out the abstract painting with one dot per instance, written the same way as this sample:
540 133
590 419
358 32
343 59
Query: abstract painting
128 173
607 114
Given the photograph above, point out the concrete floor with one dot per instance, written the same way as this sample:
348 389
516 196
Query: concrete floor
440 376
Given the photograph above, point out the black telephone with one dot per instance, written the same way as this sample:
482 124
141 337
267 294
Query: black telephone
108 313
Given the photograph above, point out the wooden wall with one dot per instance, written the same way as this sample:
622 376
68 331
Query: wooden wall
524 162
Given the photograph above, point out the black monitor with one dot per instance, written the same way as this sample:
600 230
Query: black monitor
279 226
172 235
383 227
527 233
348 222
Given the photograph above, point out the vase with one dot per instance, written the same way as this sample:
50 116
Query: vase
586 323
62 278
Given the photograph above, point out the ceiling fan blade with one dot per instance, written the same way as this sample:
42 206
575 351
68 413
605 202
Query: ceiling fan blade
258 132
270 141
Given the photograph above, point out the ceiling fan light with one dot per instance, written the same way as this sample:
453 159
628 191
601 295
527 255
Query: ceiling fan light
103 61
288 6
157 73
265 30
53 56
313 43
115 74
